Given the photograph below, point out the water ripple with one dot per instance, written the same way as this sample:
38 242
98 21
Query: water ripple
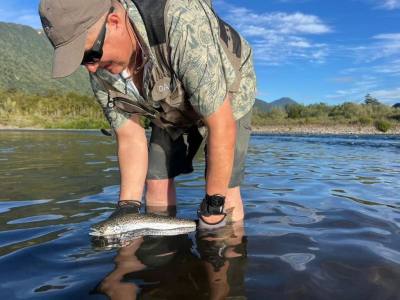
38 218
6 206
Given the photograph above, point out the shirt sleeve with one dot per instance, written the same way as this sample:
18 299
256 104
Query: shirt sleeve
114 117
195 58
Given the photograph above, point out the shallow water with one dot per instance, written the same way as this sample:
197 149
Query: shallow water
322 222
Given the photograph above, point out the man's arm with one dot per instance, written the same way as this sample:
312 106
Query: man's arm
132 144
133 158
220 148
197 61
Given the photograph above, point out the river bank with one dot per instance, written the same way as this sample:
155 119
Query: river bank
319 129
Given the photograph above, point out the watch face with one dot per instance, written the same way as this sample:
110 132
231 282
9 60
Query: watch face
215 200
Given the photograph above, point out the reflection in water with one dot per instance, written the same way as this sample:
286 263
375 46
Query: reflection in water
54 165
126 262
298 261
175 268
224 253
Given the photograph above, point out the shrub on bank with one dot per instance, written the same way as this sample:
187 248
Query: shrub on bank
365 120
50 110
295 111
382 125
321 114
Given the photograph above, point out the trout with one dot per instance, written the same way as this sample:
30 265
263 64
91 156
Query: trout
146 224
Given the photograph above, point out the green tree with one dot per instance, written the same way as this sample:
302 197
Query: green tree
369 100
294 111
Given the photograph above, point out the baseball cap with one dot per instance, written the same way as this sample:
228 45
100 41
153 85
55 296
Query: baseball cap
66 24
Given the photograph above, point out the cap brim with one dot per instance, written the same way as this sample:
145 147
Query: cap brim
68 57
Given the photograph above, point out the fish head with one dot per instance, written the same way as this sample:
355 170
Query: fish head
104 228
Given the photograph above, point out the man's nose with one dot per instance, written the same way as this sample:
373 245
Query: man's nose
92 68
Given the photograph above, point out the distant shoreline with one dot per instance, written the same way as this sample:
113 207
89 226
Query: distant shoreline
321 130
260 130
10 128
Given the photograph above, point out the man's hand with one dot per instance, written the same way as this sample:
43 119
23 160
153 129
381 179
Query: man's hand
221 145
133 158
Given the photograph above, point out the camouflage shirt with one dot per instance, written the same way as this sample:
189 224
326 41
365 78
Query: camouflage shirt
196 56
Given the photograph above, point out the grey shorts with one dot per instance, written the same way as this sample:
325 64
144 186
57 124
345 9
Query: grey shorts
169 158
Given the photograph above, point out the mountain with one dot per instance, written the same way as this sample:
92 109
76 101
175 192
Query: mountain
282 102
263 106
26 59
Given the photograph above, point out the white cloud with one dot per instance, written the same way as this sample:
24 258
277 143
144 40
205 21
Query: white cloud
389 4
379 78
357 92
296 23
360 86
387 95
383 4
300 44
388 45
299 23
390 68
388 36
381 46
278 37
279 22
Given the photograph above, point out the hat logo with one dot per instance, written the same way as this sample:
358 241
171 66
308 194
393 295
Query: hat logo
46 25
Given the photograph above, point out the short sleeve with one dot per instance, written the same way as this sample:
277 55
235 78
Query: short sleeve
195 58
114 117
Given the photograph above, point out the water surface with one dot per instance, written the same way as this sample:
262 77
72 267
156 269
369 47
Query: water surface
322 222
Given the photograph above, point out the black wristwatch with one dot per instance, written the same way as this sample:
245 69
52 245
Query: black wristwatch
215 200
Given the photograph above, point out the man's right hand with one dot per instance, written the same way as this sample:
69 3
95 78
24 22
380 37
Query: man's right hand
132 158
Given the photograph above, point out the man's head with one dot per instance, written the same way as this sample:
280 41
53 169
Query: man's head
95 31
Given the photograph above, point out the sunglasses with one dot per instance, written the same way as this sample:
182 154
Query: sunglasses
94 54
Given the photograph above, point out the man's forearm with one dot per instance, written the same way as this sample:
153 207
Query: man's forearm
133 160
220 149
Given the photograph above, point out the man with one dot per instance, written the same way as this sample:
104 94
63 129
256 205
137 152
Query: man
176 63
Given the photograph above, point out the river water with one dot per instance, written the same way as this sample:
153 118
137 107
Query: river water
322 222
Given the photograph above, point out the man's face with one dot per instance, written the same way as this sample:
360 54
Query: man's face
117 47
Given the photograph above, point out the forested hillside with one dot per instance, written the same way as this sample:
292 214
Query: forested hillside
26 59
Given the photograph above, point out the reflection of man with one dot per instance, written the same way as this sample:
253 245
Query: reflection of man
224 256
144 259
145 264
179 65
126 262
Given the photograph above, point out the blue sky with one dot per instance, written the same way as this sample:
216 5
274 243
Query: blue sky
313 51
